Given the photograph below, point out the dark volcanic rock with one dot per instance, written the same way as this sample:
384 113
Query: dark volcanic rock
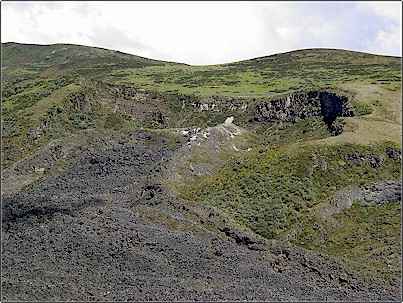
107 230
382 192
377 193
393 153
242 238
356 158
301 105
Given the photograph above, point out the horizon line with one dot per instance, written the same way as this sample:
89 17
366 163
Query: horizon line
231 62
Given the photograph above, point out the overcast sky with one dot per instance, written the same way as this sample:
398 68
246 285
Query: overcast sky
207 32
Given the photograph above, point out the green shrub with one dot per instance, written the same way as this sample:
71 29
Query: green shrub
114 121
82 120
271 191
361 109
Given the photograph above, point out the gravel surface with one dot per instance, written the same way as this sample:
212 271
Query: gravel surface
107 229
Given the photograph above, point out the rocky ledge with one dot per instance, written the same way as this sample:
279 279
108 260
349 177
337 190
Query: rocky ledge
302 105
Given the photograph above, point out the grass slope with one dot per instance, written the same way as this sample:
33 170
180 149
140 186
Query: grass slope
276 193
35 77
268 75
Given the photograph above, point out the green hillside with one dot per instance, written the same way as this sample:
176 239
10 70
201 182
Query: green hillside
36 78
309 126
268 75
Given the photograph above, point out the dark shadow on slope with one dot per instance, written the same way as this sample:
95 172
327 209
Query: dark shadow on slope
303 105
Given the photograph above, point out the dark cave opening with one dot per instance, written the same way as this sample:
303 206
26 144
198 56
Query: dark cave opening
333 106
303 105
330 106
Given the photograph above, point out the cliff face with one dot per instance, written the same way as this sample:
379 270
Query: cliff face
302 105
290 108
170 111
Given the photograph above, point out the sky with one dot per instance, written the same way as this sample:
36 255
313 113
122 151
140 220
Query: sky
201 33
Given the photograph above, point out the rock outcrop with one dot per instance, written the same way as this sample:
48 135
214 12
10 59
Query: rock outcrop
378 193
381 192
156 110
302 105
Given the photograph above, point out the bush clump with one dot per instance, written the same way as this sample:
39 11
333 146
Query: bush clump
361 109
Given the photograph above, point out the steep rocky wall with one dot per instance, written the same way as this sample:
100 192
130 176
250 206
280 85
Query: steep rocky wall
219 104
290 108
302 105
176 110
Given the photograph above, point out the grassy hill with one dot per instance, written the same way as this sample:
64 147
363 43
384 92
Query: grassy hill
269 75
277 172
37 58
37 77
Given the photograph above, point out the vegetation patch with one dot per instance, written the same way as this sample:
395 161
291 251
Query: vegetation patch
275 192
286 133
366 238
361 109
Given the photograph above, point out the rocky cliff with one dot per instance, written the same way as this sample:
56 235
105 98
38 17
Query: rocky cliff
292 107
302 105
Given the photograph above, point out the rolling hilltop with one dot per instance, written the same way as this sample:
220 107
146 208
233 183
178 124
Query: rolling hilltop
126 178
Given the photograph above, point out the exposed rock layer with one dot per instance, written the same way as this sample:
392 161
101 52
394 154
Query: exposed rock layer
301 105
156 110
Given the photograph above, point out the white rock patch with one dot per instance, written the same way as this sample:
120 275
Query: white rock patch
229 120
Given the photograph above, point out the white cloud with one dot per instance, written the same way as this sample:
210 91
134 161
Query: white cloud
204 32
388 9
387 40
